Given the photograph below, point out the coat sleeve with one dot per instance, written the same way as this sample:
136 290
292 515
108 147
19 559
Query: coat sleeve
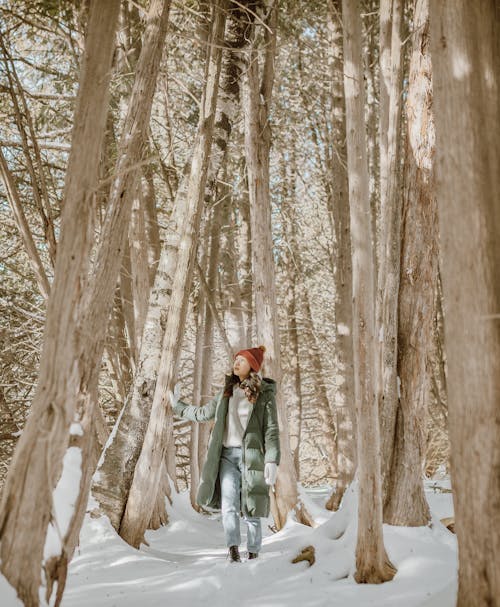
197 414
271 432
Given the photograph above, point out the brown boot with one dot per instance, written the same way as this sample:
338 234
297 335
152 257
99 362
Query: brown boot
234 554
253 555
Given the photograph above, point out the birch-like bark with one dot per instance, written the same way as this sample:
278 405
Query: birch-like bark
112 483
38 459
372 563
466 66
146 478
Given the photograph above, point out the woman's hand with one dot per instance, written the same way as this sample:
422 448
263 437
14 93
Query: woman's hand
173 397
270 473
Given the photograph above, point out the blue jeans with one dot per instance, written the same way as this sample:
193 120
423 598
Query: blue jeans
230 470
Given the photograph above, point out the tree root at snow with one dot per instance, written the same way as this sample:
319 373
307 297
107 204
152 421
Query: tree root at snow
449 523
306 554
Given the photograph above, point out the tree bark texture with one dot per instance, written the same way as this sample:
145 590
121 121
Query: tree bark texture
146 477
37 462
339 210
405 501
389 243
372 563
122 454
257 146
466 66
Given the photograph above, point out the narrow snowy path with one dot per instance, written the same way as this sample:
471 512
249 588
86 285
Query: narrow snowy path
186 566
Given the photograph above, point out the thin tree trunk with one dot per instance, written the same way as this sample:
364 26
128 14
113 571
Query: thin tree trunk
209 324
406 503
257 147
232 301
245 269
37 176
295 267
38 459
466 66
324 411
345 411
204 351
140 270
147 471
297 375
391 84
372 563
151 223
23 227
126 295
199 351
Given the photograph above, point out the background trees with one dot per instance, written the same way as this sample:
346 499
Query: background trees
140 242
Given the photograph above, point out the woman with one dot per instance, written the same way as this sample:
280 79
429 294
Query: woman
243 452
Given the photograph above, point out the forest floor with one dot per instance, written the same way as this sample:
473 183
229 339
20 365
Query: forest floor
185 564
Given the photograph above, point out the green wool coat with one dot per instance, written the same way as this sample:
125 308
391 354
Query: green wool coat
260 444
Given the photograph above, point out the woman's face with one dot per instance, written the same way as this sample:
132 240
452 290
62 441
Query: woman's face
241 366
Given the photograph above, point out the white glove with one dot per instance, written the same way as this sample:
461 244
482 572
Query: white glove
173 397
270 472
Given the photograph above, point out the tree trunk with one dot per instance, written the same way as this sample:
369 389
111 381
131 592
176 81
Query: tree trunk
245 269
112 484
23 227
38 459
146 478
204 367
328 437
391 85
345 411
372 563
297 374
327 424
140 271
405 501
292 270
257 101
232 301
466 65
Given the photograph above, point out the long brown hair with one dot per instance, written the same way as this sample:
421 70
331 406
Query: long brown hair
250 385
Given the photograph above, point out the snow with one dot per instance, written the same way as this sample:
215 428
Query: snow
76 429
97 474
64 498
343 329
185 563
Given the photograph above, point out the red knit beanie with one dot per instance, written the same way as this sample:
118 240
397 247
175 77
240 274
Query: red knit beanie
254 356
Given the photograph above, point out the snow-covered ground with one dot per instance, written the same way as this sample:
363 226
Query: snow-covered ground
185 563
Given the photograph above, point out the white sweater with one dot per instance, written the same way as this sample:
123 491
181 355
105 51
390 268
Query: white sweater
238 413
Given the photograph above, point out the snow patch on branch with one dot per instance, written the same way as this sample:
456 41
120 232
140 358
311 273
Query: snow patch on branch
343 329
64 499
97 474
76 429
